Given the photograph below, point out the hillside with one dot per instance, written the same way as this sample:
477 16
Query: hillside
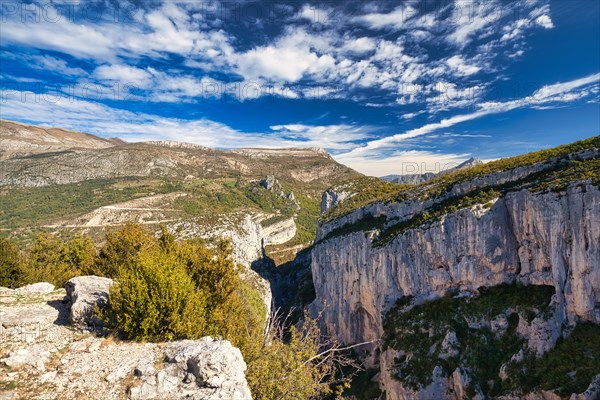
480 283
83 183
33 156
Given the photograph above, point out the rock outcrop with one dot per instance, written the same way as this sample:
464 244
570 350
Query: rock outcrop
523 236
201 369
40 287
332 198
45 358
86 293
279 232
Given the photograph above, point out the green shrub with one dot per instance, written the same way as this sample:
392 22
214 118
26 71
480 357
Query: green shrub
157 300
54 260
12 268
568 368
418 332
178 290
121 250
292 369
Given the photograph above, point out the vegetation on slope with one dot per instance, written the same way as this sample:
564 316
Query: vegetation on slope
568 368
365 190
418 332
555 178
31 207
443 183
23 211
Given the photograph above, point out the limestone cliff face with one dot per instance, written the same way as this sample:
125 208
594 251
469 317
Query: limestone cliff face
542 238
548 238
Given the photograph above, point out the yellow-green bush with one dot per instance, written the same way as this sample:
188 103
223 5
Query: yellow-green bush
174 290
292 369
49 259
12 268
158 300
122 248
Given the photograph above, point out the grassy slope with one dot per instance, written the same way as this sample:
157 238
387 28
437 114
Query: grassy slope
24 210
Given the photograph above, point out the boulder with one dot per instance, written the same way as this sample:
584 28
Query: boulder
270 183
206 369
591 393
85 293
214 363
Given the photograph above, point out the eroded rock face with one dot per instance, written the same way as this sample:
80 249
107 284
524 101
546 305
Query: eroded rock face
40 287
85 293
546 238
279 232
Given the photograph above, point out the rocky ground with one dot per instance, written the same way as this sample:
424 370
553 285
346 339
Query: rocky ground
42 356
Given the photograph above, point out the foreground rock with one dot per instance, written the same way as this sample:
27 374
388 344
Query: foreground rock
202 369
86 293
45 358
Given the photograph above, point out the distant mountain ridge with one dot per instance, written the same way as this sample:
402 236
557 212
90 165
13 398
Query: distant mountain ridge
413 179
21 140
33 156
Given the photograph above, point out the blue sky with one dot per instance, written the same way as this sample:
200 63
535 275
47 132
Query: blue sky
386 87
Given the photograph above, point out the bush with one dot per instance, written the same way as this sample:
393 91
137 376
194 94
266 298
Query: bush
56 261
50 259
171 290
177 290
12 269
121 250
157 300
293 369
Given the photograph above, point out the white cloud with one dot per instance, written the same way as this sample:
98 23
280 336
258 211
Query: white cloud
460 66
168 29
123 73
359 46
549 92
289 59
403 162
559 92
544 21
395 19
63 36
99 119
56 65
332 137
472 18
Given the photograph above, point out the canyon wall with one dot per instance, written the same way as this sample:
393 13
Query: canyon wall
545 238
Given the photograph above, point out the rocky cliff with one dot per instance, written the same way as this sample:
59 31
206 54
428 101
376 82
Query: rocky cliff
367 260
